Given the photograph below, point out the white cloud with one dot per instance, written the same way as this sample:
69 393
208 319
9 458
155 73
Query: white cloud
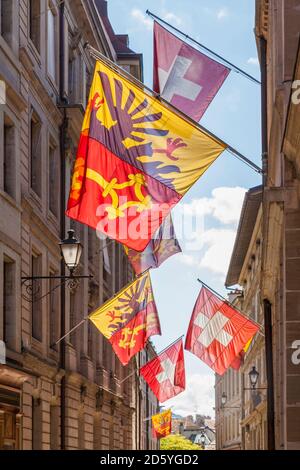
198 396
218 245
253 61
210 247
224 205
171 17
211 251
222 13
141 18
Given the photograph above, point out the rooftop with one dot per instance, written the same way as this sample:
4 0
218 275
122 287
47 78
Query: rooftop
252 201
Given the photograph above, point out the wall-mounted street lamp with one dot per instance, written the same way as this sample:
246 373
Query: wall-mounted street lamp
202 440
224 401
253 379
71 250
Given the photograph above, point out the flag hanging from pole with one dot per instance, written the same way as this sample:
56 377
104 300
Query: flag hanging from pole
163 245
165 373
217 332
129 319
239 360
136 159
162 424
184 76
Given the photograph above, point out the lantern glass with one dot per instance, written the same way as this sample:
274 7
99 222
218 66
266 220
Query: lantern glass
71 250
223 399
253 376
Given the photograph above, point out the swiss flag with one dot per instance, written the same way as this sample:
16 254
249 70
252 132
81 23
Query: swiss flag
184 76
165 374
217 332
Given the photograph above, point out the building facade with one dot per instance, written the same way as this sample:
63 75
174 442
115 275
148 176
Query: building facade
270 418
241 419
277 30
71 395
148 404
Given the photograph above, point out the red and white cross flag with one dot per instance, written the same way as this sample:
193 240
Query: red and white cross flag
165 374
184 76
217 332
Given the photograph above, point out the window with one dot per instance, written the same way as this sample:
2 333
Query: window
91 343
53 179
53 311
9 169
124 267
6 7
9 303
104 355
36 424
54 427
72 74
35 153
87 84
51 43
118 271
36 306
106 260
91 244
73 316
97 443
35 23
81 429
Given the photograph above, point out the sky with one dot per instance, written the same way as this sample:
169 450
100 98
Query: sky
225 26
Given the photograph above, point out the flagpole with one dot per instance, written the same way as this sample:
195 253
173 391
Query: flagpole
127 377
70 331
233 67
118 293
176 340
231 305
102 306
99 56
105 246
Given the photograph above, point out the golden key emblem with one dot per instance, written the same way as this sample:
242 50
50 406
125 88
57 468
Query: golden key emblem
111 188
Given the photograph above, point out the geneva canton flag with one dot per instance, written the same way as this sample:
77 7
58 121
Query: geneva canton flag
136 159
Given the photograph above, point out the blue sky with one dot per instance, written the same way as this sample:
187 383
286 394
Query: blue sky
226 27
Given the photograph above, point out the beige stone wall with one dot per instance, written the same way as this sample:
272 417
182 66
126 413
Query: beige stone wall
241 423
278 22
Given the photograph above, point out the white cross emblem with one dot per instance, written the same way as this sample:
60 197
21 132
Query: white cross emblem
173 82
168 372
212 329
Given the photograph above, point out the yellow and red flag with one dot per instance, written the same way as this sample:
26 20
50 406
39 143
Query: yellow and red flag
129 319
136 159
163 245
162 424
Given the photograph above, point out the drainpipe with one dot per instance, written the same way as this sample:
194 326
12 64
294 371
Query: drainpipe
266 303
148 427
269 372
63 130
243 440
264 108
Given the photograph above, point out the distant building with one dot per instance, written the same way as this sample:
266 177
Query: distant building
193 428
147 404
